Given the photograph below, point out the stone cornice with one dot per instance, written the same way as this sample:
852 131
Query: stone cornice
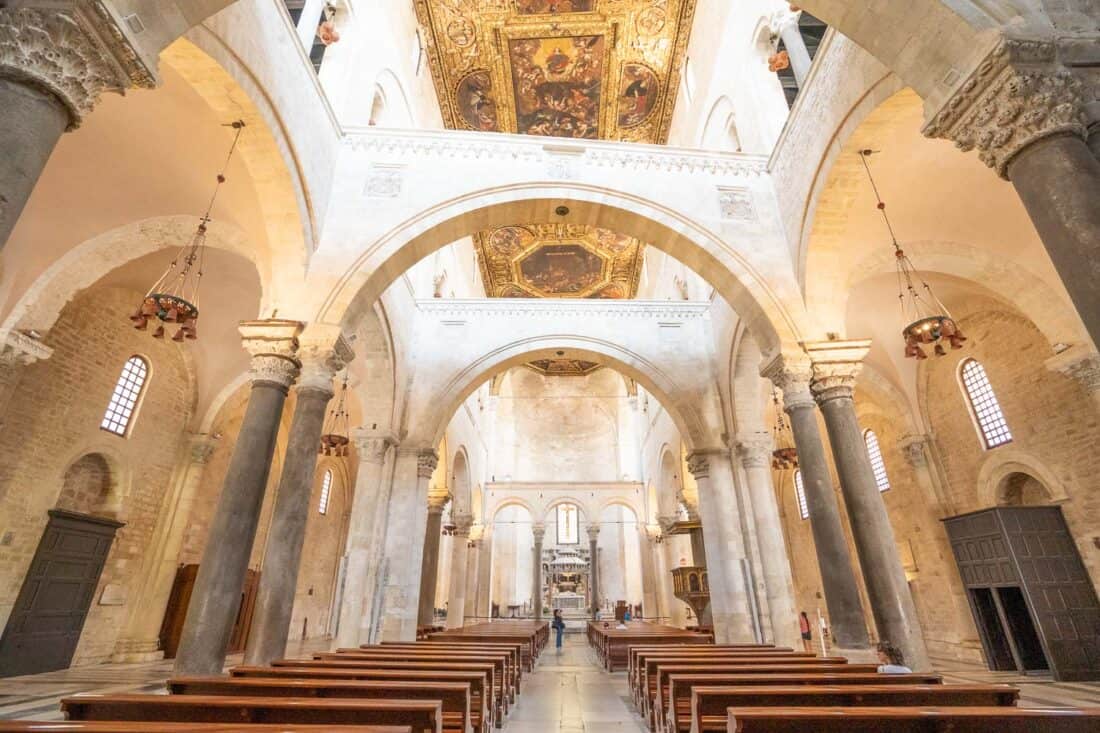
19 348
1018 94
469 308
74 49
560 156
562 485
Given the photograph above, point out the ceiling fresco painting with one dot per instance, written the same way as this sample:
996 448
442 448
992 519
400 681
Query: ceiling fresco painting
563 367
582 69
558 261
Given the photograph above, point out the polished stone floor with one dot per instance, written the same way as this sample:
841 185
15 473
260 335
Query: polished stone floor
568 692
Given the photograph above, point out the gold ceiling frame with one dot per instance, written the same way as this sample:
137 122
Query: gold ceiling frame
607 268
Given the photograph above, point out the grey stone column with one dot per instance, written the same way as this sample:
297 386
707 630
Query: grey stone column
849 630
473 573
217 593
755 453
836 364
485 576
406 526
593 530
1026 116
362 536
460 554
56 59
539 532
323 353
429 565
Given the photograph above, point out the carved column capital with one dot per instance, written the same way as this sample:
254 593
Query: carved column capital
273 345
1080 363
792 374
593 531
437 500
19 348
698 463
755 451
912 446
74 49
323 353
538 529
372 447
666 523
1018 94
462 522
426 461
201 447
835 366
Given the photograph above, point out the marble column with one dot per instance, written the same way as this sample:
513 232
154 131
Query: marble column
538 530
473 574
56 59
140 638
217 593
785 25
849 630
460 555
406 527
836 364
365 507
485 577
593 530
755 452
725 549
1037 139
323 353
429 565
646 543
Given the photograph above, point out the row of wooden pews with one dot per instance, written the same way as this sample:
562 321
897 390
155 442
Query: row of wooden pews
709 688
456 684
612 642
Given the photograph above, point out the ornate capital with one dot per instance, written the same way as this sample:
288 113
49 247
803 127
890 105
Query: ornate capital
463 522
437 500
791 373
1018 94
1080 363
783 19
19 348
273 345
73 49
426 461
593 531
372 447
538 529
913 448
323 353
667 522
699 465
202 447
755 451
835 366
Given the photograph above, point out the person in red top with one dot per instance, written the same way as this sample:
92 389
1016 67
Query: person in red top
807 631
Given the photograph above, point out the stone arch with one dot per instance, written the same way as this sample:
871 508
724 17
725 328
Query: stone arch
584 508
460 481
1009 470
771 307
96 479
686 415
389 88
716 133
670 494
619 501
513 501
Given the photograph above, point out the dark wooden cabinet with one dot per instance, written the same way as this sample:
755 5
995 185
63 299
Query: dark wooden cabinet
172 627
45 624
1031 596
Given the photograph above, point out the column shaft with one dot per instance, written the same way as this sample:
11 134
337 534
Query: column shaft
594 567
887 588
282 558
429 566
1058 181
649 573
797 51
473 576
460 556
536 581
485 578
406 526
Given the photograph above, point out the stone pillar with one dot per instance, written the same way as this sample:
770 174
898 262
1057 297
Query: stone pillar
836 364
406 527
785 24
460 554
849 630
485 577
755 452
646 543
538 530
217 594
56 59
593 530
365 507
429 565
473 574
1025 114
725 547
323 353
140 638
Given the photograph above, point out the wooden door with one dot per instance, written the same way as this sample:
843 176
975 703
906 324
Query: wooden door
175 614
45 624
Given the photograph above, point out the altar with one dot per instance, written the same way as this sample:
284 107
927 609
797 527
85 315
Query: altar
567 581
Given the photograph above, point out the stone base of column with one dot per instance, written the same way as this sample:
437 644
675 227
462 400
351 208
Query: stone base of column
137 650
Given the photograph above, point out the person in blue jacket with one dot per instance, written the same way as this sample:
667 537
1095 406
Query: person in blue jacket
558 625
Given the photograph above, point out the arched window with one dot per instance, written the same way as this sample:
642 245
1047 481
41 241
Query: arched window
985 408
120 410
326 489
568 524
800 494
877 464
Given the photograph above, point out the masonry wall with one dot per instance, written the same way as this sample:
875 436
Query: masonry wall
53 452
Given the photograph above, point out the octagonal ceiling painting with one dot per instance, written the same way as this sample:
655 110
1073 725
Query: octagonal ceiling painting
563 367
558 261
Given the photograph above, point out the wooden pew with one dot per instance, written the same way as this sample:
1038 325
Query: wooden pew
913 720
612 644
423 716
663 671
514 649
481 709
709 704
635 649
678 702
159 726
493 685
500 659
454 697
528 641
637 677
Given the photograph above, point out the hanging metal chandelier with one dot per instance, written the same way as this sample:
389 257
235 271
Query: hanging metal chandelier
174 298
335 440
785 456
929 322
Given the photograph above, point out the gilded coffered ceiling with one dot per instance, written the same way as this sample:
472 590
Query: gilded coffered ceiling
563 367
586 69
558 261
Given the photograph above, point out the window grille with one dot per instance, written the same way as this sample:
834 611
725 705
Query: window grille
877 464
800 494
326 489
989 418
120 409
